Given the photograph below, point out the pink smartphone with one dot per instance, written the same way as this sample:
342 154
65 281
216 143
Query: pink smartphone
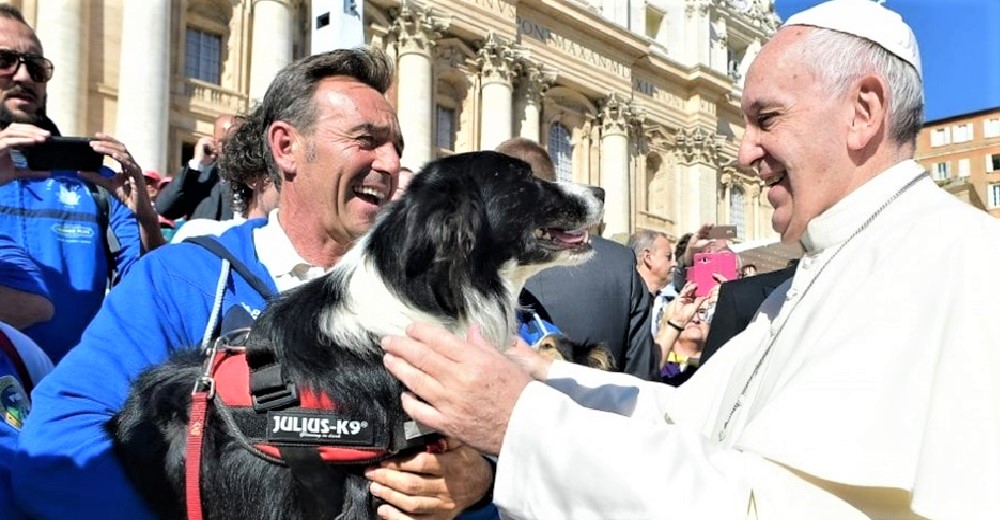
706 264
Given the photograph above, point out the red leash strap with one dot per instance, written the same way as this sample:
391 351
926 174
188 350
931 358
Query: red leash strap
192 468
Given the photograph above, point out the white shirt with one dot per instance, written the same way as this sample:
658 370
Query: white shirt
286 267
205 226
877 399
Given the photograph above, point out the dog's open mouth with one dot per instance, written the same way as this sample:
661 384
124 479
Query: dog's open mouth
558 238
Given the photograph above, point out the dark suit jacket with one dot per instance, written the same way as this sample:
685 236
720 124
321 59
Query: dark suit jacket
602 301
196 194
737 305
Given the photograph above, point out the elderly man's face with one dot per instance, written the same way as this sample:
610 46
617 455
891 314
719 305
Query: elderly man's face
349 161
21 95
796 135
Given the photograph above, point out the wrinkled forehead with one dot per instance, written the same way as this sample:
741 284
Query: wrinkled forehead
779 73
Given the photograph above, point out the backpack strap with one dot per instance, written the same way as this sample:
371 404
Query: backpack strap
219 250
8 348
112 246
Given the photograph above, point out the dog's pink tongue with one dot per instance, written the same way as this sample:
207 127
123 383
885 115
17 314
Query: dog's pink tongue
570 237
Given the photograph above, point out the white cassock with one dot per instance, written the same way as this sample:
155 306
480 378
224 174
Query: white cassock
880 398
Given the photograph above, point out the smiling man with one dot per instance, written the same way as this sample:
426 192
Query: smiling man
333 143
851 395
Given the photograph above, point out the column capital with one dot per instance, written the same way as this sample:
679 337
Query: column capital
497 59
534 80
416 27
618 114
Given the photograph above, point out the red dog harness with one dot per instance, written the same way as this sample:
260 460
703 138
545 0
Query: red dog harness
302 429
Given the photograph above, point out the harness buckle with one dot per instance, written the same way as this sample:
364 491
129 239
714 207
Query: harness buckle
205 384
280 398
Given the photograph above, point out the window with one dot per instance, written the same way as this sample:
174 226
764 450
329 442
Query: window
964 168
991 127
994 195
941 170
993 162
940 137
561 150
736 206
203 56
445 136
962 133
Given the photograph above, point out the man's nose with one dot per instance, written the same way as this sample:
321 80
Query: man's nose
750 151
21 72
387 159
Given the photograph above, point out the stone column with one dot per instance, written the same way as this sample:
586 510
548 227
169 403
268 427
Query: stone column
753 193
63 29
531 87
415 29
144 82
496 62
271 43
615 120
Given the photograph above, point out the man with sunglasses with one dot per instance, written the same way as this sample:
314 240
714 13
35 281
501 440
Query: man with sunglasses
61 218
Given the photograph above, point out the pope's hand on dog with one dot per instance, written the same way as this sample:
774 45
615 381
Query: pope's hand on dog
466 388
431 485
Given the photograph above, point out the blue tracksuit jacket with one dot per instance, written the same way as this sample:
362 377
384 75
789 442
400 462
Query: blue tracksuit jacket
55 221
65 466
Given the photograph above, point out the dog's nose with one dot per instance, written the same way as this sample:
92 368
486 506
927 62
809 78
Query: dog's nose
598 192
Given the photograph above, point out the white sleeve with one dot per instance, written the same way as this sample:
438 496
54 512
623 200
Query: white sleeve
561 460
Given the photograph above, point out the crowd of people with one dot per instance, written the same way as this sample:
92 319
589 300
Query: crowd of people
838 386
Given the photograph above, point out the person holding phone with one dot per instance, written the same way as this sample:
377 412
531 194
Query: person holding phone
198 191
55 215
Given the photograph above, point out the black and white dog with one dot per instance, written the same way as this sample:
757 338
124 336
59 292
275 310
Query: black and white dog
455 250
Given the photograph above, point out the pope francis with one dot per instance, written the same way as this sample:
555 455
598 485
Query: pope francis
858 391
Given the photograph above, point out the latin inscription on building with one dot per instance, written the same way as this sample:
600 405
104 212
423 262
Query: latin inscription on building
529 29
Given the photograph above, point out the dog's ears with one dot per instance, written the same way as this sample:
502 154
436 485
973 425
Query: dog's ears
442 232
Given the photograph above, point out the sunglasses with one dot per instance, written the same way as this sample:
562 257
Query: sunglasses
39 68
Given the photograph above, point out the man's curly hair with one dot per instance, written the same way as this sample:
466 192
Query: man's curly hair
241 161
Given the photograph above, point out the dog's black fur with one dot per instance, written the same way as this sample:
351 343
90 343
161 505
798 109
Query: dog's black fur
455 250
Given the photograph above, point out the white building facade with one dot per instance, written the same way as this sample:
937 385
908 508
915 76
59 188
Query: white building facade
638 97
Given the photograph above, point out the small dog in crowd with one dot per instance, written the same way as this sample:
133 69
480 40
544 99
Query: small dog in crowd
455 250
558 347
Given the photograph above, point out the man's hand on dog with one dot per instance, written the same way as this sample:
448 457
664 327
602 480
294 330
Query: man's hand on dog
431 485
462 388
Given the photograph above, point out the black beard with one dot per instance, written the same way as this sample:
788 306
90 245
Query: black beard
39 119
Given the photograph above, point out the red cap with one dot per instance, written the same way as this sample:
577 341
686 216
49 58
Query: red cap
151 175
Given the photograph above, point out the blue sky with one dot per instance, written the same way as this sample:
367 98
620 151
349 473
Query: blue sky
959 44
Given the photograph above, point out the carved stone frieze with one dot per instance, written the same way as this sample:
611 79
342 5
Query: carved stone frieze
701 146
618 115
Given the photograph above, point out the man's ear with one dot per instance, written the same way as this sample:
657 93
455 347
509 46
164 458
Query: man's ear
283 141
870 110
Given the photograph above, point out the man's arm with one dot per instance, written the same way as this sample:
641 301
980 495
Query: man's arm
125 227
65 466
22 287
192 184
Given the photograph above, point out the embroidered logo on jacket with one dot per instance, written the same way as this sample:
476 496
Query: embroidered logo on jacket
14 403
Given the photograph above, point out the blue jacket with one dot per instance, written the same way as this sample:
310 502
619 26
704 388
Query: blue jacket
65 466
55 221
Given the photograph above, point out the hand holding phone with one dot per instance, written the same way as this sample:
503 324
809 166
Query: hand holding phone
58 153
722 233
706 265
